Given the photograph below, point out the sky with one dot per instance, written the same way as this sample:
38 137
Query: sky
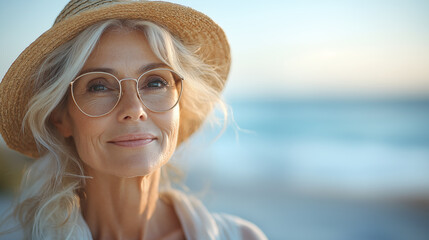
307 48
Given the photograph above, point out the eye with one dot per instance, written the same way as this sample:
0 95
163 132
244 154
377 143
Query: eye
97 88
100 84
155 82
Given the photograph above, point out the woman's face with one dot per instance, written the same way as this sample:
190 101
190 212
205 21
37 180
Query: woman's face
131 140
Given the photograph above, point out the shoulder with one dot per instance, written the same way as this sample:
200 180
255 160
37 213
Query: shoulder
198 223
246 229
251 231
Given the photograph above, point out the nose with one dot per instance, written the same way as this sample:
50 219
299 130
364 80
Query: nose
130 106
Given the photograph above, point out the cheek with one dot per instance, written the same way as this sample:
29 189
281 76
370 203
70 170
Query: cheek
87 137
175 123
169 123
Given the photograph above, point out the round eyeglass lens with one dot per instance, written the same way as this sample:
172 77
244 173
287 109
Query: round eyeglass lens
96 93
160 89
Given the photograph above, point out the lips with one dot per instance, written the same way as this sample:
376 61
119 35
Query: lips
133 140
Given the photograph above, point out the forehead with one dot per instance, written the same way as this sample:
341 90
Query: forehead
123 50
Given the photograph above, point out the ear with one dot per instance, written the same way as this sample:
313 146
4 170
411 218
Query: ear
61 121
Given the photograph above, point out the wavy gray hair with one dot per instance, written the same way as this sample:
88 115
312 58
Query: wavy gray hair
48 206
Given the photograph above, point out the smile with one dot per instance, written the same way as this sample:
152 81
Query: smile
134 140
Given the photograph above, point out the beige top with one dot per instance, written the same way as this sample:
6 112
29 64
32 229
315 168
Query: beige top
198 223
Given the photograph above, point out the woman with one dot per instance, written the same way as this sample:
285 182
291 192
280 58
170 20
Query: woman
104 98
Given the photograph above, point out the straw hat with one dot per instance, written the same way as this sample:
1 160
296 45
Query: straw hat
186 24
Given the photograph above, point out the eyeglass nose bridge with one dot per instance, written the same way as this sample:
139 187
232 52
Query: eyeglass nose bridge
127 79
121 90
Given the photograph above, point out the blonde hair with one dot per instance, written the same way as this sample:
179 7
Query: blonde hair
48 207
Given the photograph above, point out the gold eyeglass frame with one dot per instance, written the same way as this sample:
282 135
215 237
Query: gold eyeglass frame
120 90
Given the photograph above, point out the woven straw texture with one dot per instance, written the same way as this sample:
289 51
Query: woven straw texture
188 25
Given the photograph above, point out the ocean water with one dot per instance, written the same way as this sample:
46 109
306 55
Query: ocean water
319 169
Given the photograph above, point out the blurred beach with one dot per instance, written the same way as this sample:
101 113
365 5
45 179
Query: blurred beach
321 169
316 169
344 157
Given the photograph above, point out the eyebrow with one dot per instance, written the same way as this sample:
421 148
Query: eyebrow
114 72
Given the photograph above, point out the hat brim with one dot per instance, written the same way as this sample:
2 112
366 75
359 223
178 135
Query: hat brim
188 25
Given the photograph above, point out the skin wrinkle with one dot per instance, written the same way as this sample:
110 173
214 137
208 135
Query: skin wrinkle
112 71
122 199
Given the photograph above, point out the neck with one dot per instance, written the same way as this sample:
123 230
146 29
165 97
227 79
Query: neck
122 208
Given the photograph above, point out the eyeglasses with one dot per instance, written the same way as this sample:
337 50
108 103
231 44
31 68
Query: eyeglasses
97 93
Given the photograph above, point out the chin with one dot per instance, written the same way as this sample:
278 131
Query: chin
136 166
